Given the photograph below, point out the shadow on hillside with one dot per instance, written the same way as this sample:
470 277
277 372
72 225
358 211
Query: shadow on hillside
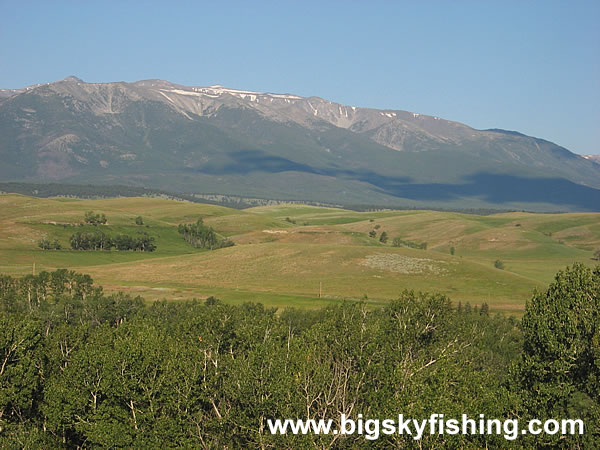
501 189
251 161
494 188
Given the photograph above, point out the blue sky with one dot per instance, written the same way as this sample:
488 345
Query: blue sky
530 66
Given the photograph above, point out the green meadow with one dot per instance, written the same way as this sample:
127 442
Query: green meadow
303 256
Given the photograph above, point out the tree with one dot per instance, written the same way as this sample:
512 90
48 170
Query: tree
383 238
45 244
20 377
202 236
485 310
372 233
139 220
498 264
561 348
123 242
93 240
94 219
452 250
596 256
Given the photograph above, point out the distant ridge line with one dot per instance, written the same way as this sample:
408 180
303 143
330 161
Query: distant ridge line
89 191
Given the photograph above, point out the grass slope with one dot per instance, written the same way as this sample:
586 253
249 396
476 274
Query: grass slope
287 255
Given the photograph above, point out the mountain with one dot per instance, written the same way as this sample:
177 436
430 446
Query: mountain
593 158
162 135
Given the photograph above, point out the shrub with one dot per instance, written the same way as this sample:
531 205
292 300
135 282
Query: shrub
397 242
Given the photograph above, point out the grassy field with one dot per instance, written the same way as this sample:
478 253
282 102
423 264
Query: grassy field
304 256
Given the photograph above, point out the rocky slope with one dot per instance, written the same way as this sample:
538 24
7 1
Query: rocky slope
216 140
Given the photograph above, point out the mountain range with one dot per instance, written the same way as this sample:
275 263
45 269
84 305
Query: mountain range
194 140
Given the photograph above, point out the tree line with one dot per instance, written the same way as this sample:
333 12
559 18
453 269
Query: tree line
80 368
97 240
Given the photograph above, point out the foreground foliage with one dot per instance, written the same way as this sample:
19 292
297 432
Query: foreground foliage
81 368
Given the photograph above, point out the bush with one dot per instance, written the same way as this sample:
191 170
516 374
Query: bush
397 242
139 220
498 264
383 238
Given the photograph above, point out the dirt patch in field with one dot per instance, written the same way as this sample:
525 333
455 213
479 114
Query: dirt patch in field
404 264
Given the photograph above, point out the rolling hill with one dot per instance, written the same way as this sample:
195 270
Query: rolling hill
287 255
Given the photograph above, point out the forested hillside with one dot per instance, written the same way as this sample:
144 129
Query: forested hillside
80 368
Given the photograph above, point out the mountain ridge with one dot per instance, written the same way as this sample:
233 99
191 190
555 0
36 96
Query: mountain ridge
195 139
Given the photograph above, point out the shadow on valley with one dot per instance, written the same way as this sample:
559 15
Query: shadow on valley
494 188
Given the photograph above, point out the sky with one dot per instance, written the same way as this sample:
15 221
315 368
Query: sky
529 66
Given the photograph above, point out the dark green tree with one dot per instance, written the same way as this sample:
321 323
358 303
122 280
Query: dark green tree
94 219
561 348
202 236
20 368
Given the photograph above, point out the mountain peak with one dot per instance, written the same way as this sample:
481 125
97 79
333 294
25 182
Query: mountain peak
72 79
